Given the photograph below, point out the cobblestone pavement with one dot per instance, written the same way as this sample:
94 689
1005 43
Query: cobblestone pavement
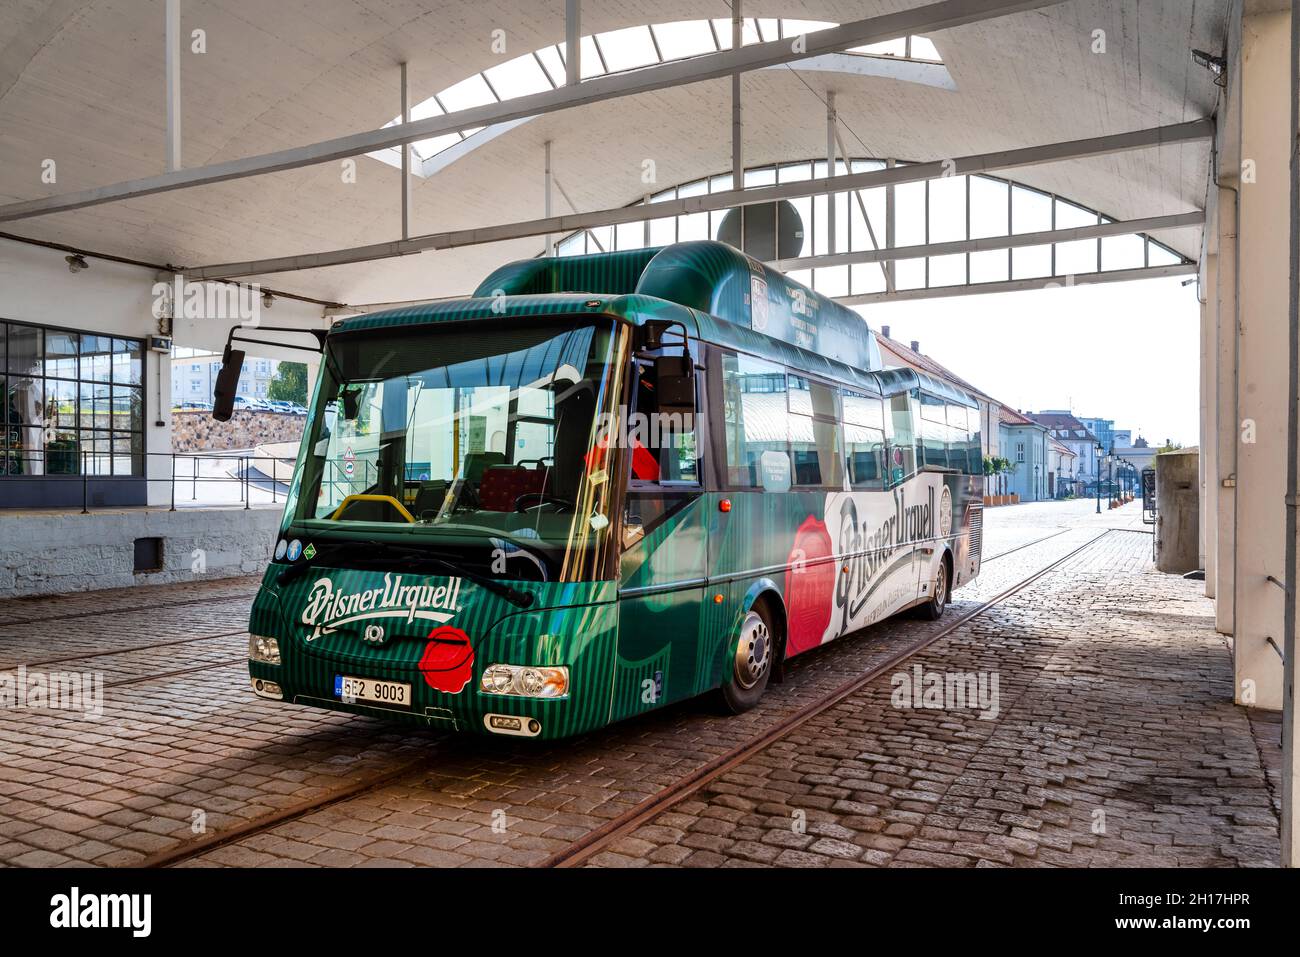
1113 697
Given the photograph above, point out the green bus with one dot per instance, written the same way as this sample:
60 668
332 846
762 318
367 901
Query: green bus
601 485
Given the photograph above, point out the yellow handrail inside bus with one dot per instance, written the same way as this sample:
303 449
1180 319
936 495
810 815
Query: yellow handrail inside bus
373 498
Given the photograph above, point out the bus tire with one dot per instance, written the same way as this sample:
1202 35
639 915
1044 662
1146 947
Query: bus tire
752 662
933 609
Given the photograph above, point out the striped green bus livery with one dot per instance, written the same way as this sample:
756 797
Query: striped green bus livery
603 484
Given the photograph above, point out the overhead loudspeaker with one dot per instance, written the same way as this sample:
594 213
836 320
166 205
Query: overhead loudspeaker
772 230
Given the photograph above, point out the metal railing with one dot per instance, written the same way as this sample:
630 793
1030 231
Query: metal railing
197 473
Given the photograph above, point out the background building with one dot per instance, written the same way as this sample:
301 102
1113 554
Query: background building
1078 438
194 373
1025 444
1103 429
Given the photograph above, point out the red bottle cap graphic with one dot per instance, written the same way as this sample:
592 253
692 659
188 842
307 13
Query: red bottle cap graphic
809 586
448 660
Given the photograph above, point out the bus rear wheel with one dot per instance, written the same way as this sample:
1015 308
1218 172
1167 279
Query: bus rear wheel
933 609
752 663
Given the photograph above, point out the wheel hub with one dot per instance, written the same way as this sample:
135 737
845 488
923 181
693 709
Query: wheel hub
753 651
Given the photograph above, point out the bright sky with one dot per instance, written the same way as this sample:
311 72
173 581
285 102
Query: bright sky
1127 351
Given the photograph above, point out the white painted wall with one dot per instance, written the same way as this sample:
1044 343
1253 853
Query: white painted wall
1221 484
1251 296
36 286
54 553
1209 464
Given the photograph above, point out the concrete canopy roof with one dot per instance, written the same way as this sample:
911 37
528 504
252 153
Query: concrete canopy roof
81 82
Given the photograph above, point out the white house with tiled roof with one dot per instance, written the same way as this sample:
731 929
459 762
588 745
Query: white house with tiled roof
1075 436
1025 445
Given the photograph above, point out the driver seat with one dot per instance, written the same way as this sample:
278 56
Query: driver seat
503 484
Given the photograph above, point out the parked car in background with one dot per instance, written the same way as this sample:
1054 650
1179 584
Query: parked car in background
282 406
252 404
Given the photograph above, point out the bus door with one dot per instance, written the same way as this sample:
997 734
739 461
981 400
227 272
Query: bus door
902 477
663 539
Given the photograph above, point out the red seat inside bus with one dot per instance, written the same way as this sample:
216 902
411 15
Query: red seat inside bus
503 484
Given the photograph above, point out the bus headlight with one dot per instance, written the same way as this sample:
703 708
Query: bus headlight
264 649
525 681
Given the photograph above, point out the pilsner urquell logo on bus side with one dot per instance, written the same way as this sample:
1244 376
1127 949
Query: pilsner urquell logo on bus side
871 547
328 609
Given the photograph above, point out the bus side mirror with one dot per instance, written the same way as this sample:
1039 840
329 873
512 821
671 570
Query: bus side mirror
351 404
223 393
675 385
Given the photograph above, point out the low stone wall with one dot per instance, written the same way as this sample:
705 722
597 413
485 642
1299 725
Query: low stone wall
198 431
51 553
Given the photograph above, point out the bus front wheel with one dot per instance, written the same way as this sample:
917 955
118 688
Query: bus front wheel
752 662
933 609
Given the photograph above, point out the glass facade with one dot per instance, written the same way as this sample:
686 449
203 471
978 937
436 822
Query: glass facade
73 400
949 209
617 51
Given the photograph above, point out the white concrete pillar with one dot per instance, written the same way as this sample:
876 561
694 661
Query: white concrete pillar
1262 368
1224 475
157 379
1209 417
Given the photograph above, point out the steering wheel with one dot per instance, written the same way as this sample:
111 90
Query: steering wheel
522 502
386 499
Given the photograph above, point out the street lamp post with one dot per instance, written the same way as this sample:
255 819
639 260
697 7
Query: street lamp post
1110 476
1097 456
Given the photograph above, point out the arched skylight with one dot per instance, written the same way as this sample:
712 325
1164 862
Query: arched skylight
949 209
617 51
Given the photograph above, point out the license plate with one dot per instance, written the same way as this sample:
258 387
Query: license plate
391 693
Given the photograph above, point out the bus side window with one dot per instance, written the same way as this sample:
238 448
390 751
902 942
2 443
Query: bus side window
814 431
958 437
901 435
864 439
754 417
934 430
663 444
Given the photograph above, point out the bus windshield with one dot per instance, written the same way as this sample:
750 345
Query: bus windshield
476 441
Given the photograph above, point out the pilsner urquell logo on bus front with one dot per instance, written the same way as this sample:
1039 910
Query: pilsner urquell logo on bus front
327 608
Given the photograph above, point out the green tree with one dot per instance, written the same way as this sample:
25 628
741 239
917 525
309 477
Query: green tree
289 384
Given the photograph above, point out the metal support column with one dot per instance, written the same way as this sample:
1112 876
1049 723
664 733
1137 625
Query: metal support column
889 230
406 159
830 169
737 120
173 73
550 180
572 42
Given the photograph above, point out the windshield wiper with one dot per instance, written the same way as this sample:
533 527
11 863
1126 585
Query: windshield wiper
513 595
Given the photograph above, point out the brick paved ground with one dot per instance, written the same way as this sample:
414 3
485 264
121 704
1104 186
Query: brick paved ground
1113 689
1116 744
